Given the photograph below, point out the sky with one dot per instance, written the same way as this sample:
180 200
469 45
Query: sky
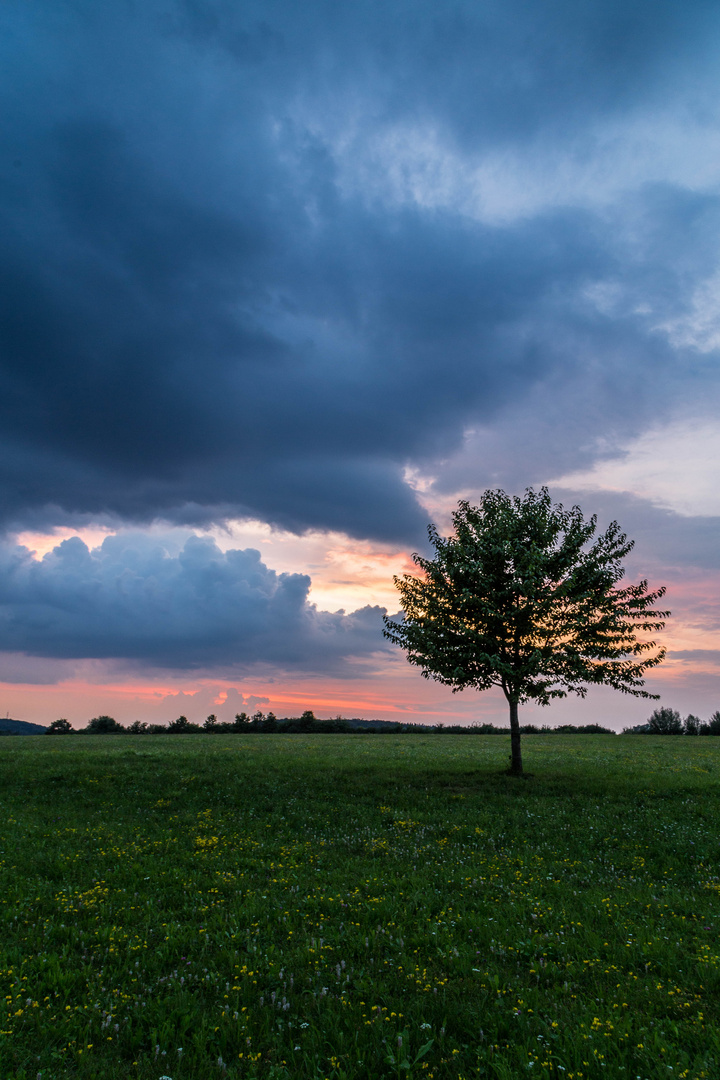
282 282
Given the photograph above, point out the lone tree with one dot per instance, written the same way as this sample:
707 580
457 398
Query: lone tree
522 597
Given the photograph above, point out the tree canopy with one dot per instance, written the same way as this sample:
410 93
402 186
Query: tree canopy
523 596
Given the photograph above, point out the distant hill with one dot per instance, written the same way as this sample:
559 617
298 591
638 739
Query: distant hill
20 727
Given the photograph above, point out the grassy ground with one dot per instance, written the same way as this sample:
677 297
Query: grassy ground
359 906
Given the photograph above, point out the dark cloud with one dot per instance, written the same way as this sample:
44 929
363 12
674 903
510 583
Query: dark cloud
663 539
710 657
198 609
165 357
203 318
489 73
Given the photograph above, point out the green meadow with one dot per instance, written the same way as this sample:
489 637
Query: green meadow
363 906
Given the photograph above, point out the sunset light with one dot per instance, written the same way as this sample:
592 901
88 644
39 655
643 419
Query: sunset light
256 344
360 539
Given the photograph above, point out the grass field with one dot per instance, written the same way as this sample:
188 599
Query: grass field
359 906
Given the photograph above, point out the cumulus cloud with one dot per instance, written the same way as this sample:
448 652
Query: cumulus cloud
201 609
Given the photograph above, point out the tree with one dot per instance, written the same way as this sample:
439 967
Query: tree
308 721
522 597
691 725
713 726
182 726
665 722
59 727
103 725
271 722
258 719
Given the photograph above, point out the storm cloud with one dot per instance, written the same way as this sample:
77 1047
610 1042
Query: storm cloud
259 259
197 609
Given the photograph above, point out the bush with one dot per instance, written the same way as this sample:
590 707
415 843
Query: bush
583 729
59 727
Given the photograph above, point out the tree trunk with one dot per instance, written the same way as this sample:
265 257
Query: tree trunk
516 768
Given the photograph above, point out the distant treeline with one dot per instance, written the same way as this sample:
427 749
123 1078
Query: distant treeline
307 724
669 722
662 722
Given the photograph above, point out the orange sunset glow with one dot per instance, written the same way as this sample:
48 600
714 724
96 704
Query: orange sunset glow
274 306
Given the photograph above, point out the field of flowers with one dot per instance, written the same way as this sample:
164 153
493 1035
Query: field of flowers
359 907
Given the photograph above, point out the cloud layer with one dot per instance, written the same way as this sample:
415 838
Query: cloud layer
257 259
326 267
